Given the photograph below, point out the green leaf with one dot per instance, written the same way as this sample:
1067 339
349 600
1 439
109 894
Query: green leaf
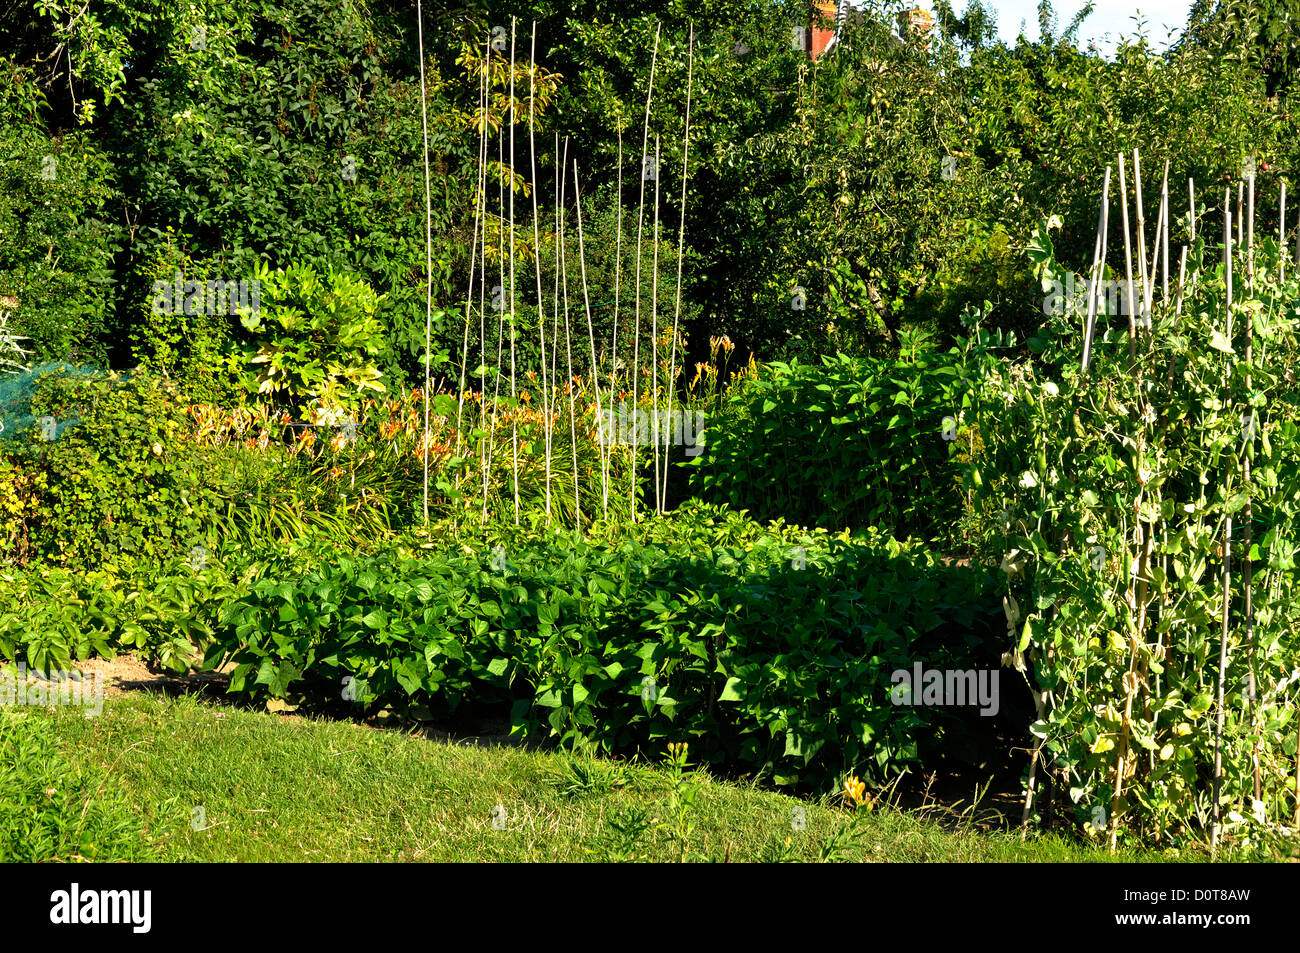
1220 343
730 692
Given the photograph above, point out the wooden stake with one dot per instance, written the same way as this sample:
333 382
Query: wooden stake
1099 247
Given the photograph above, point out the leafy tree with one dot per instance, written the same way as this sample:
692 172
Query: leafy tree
1268 31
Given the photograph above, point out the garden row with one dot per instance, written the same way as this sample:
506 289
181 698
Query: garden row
769 650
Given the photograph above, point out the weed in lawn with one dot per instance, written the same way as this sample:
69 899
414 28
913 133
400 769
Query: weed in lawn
623 838
580 777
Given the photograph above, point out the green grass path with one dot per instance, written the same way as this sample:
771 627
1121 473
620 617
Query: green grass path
212 783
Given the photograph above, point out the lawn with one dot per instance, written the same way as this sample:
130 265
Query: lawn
206 782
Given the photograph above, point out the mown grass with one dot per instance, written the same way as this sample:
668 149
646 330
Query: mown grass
211 783
50 811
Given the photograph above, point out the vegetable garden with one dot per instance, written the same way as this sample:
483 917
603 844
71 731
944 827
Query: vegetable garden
644 381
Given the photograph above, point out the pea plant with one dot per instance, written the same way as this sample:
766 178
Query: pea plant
1142 498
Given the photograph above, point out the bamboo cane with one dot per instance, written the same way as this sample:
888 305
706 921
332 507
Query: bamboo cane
1142 243
537 262
618 271
1128 265
1178 311
1281 235
1095 275
476 243
1250 233
640 221
1164 234
1297 778
591 336
1154 273
428 252
654 348
563 162
681 231
1241 193
569 384
1227 263
501 312
1182 272
481 448
1248 569
1227 567
514 395
1223 674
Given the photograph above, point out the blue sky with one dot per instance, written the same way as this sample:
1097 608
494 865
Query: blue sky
1109 20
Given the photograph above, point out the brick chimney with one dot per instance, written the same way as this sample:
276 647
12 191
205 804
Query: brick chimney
817 36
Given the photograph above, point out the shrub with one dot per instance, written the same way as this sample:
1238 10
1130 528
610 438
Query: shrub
57 215
195 350
165 612
852 442
318 340
21 492
118 478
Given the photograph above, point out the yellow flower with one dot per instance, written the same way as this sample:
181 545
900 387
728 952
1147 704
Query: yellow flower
854 789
